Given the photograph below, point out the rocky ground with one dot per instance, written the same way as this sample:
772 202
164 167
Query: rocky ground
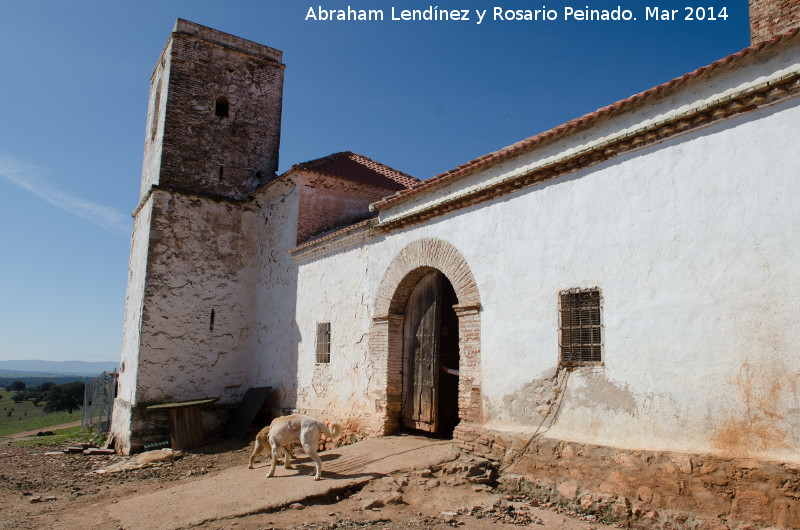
43 487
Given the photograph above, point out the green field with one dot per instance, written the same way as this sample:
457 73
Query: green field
25 416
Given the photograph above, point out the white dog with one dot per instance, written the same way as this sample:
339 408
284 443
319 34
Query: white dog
262 444
288 430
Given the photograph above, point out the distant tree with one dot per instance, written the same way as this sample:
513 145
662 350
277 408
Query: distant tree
45 387
66 397
19 397
36 400
17 386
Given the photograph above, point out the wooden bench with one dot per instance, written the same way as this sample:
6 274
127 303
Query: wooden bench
185 422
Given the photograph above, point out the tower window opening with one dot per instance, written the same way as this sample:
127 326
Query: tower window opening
222 106
220 172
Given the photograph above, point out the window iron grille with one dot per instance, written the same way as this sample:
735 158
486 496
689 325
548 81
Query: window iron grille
323 342
580 327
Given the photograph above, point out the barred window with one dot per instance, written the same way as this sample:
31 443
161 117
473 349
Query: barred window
580 328
323 342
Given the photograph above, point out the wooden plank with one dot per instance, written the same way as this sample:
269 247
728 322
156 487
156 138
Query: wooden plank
179 404
186 428
251 403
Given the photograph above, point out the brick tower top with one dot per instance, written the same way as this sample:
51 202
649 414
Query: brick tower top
214 118
772 17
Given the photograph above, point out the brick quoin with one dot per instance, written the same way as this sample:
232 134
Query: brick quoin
386 333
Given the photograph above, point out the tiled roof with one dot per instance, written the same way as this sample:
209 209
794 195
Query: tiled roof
533 141
358 168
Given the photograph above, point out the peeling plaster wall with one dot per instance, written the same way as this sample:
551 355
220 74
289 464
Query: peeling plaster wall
273 344
694 245
134 299
156 112
133 304
199 261
336 289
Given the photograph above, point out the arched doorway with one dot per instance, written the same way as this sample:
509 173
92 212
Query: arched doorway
416 261
430 357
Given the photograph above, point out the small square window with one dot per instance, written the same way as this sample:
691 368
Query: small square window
323 342
580 328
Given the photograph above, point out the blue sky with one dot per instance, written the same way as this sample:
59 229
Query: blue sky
422 97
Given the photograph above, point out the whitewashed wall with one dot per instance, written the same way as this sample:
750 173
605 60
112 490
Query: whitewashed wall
272 350
134 298
336 289
198 261
693 243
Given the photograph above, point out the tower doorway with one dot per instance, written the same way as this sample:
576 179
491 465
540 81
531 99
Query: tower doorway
431 357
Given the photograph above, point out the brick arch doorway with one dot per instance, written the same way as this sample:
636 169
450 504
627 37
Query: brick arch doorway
416 261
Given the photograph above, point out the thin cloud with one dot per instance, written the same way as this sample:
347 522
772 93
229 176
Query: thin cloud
31 179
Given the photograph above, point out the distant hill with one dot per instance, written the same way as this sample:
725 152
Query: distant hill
36 368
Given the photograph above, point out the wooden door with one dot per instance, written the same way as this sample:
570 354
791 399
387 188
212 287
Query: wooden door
421 354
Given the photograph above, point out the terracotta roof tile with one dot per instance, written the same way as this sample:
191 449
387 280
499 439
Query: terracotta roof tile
528 143
358 168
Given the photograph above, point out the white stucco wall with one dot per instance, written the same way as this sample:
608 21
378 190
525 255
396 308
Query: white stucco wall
272 351
134 297
199 261
693 243
337 289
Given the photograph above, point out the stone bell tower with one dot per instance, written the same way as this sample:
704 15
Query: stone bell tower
214 119
211 139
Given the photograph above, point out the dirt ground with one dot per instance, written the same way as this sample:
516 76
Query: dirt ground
43 487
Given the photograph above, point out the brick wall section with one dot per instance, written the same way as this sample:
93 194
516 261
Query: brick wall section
386 350
197 142
386 332
416 260
772 17
328 202
469 381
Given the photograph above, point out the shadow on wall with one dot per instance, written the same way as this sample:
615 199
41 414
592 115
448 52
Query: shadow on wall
276 336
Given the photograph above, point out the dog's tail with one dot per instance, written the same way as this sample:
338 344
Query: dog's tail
335 431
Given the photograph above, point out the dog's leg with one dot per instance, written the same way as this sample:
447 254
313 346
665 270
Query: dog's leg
287 456
275 454
262 444
256 451
310 442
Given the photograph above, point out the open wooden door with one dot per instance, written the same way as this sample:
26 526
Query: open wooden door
421 354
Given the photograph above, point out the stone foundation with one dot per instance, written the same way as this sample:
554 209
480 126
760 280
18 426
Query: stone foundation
657 489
